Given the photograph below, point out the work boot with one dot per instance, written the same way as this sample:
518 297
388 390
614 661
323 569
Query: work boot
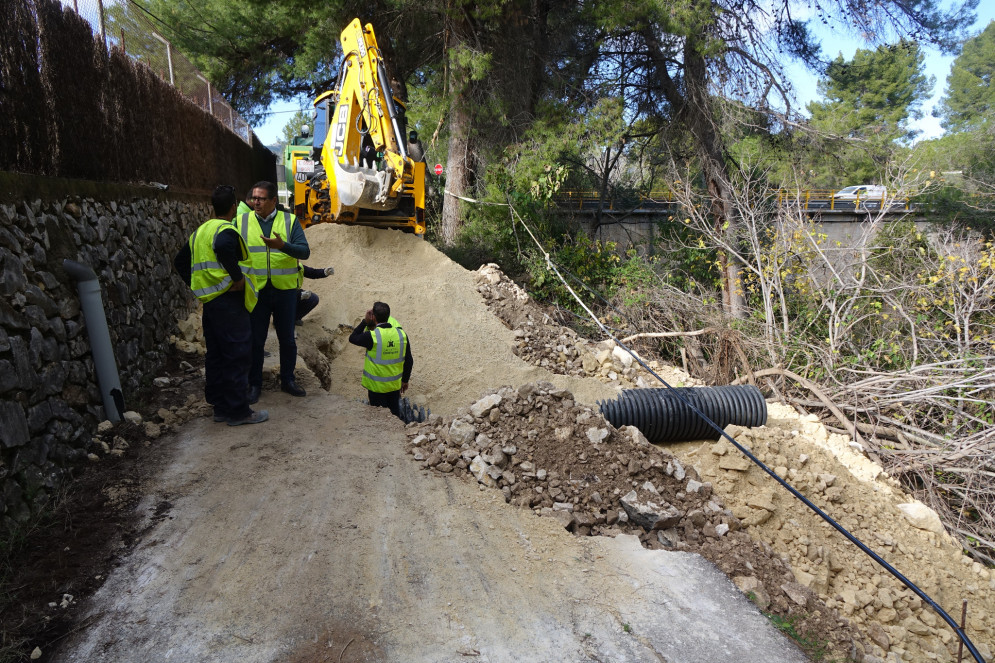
254 418
291 387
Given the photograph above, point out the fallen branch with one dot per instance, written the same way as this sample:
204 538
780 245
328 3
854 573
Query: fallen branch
818 393
699 332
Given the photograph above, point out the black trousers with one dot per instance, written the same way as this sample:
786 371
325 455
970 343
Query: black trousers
305 306
389 399
228 336
282 306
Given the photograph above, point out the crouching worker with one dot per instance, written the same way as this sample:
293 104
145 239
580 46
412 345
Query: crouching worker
209 263
307 300
388 363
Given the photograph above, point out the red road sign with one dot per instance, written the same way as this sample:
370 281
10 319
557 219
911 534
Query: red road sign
438 169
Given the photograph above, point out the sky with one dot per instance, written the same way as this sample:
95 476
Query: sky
938 66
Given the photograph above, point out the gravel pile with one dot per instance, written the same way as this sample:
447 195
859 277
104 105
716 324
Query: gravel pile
561 459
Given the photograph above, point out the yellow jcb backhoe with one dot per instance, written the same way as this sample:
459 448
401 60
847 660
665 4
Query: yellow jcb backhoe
359 170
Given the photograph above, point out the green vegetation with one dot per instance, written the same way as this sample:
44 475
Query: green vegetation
813 647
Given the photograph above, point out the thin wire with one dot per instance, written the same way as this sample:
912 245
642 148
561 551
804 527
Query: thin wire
822 514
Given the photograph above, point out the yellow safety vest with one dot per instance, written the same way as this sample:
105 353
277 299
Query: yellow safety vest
265 265
384 364
207 277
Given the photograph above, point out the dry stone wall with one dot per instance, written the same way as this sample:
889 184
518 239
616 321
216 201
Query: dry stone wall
50 402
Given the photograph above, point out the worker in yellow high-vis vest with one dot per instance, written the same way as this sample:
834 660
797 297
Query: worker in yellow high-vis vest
276 245
388 362
209 262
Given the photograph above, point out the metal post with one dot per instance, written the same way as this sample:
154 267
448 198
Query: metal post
100 19
210 94
169 56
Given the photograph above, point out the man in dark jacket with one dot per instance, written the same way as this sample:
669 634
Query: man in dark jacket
208 262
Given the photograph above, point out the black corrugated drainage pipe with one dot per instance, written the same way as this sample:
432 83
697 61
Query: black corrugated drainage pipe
663 417
100 338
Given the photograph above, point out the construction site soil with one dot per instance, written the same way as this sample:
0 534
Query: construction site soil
513 417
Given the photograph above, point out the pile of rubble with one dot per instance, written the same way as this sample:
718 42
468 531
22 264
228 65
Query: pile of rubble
897 624
905 532
543 343
546 452
187 389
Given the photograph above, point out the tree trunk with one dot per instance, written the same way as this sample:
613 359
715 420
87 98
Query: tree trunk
457 170
692 104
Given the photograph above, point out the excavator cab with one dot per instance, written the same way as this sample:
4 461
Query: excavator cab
360 172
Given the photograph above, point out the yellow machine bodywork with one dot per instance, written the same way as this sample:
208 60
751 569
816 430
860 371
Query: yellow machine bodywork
361 172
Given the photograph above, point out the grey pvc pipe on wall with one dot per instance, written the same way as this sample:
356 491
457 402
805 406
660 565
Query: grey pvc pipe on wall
662 416
100 339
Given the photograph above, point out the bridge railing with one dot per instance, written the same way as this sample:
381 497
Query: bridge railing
580 199
828 199
809 199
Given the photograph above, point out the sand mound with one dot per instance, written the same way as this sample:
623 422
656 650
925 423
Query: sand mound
460 348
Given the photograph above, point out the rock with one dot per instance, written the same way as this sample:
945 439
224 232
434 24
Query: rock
479 469
878 635
795 592
754 590
35 653
132 417
634 435
650 515
597 435
622 357
483 407
735 463
922 517
461 432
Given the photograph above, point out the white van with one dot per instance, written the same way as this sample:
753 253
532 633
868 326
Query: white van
863 195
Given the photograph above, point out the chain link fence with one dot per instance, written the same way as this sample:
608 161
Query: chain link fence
125 25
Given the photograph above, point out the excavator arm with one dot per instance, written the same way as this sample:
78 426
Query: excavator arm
362 172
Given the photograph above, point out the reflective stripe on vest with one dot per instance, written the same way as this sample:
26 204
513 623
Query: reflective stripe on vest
384 363
208 278
265 265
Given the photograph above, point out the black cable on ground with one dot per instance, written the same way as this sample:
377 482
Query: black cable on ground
791 489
